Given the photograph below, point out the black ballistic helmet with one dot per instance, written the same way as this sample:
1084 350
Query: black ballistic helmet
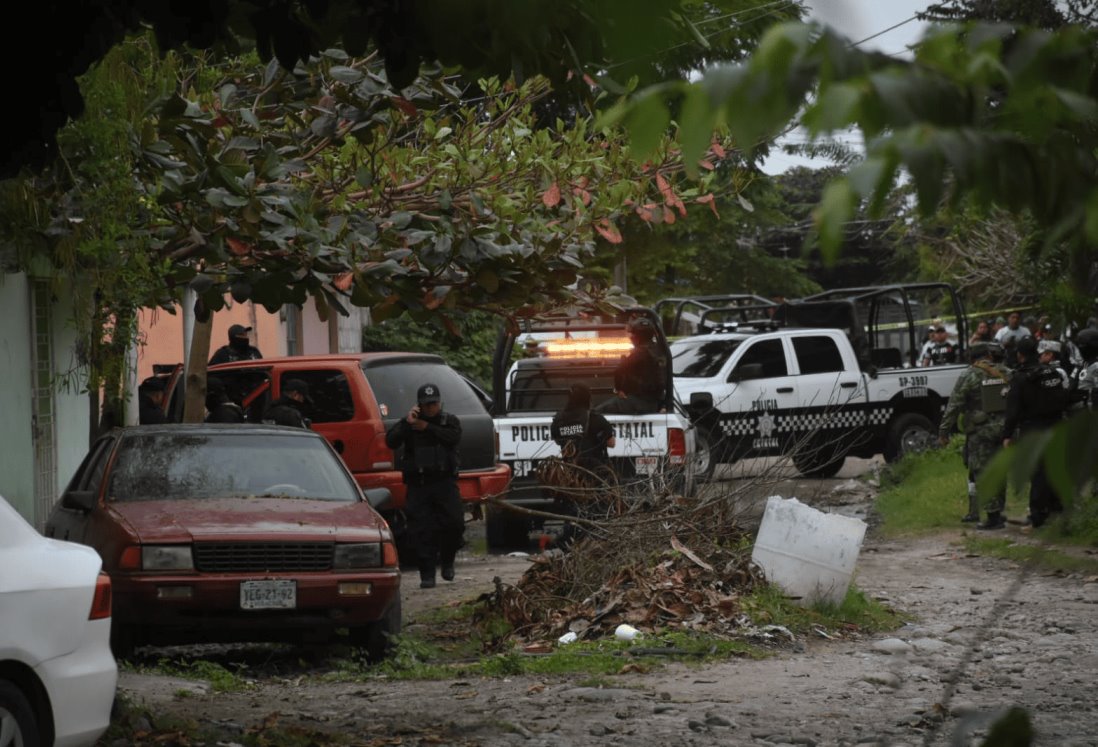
1027 346
1087 340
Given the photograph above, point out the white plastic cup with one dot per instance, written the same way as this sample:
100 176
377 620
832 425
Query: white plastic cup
567 638
626 632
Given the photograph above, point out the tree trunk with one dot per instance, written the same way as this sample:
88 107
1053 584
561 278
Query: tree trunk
194 406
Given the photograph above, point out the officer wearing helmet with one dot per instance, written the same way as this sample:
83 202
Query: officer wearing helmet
640 378
976 407
1035 401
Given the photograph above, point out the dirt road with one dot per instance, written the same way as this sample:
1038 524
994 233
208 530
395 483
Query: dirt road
984 636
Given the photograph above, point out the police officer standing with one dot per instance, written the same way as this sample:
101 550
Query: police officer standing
289 409
240 347
428 439
1035 400
640 378
977 405
584 438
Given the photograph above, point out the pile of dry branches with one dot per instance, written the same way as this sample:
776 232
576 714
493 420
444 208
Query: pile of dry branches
663 562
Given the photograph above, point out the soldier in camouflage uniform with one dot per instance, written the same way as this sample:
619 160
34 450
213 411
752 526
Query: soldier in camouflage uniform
977 407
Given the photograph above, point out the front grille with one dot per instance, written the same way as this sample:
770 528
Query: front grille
247 557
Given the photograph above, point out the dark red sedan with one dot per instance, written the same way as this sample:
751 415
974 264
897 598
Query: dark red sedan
232 533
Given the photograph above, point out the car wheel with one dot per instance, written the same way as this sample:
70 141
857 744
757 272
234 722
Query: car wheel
506 530
378 637
18 727
908 433
705 455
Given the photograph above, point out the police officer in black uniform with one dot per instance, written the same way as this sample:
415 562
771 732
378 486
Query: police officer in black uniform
289 409
428 439
219 408
240 347
150 401
640 379
584 438
1035 400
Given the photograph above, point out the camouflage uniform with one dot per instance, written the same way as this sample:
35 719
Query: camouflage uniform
976 406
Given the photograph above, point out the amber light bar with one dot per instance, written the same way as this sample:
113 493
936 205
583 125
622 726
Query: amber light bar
602 347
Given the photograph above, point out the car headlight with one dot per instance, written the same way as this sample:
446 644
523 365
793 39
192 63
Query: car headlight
357 555
167 558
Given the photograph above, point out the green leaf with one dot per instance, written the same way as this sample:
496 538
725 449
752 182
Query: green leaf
835 210
488 280
834 109
345 74
443 133
647 123
696 131
1092 217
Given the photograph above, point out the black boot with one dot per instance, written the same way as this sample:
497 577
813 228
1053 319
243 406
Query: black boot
969 518
995 520
448 571
427 577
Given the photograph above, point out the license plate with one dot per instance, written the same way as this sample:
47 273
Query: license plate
646 465
271 594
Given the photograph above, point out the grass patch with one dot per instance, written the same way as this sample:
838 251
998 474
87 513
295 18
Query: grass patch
927 492
769 606
422 655
1040 555
220 679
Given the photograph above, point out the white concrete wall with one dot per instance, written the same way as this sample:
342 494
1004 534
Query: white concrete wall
17 467
16 445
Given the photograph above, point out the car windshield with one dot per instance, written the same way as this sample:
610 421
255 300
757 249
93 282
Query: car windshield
701 358
181 466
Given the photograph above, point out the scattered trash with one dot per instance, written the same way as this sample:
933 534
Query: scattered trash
568 637
518 554
626 632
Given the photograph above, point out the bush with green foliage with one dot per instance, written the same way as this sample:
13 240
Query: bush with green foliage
471 354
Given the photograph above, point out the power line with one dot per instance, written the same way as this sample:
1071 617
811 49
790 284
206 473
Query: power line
884 31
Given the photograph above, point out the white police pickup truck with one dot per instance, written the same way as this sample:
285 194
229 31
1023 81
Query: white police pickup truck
654 449
781 385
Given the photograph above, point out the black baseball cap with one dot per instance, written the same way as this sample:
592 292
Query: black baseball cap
239 330
427 394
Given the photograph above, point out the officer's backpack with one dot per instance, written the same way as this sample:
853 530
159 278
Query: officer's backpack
992 394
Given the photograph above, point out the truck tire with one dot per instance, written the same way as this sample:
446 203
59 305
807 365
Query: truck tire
705 457
506 530
813 464
908 433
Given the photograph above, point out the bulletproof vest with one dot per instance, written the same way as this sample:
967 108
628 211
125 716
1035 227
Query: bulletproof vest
425 454
1047 397
992 386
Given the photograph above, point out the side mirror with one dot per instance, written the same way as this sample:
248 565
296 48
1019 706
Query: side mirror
80 500
746 372
701 403
379 498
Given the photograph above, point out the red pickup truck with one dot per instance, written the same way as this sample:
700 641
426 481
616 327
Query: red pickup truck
356 397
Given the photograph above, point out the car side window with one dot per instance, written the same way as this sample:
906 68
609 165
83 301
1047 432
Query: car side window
330 393
90 474
767 353
817 354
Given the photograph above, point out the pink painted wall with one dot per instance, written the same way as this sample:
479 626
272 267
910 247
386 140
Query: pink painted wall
163 334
